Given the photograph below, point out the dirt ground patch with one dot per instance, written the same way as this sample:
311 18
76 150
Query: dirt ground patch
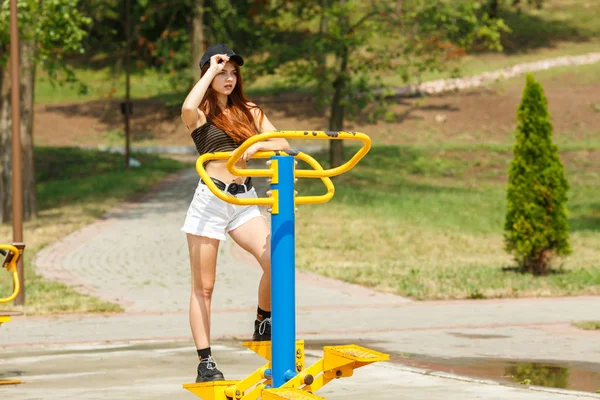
484 115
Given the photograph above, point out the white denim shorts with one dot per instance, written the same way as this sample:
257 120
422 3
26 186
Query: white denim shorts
212 217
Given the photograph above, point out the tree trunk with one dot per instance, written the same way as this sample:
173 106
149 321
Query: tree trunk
27 81
27 109
336 119
197 37
5 147
127 62
492 8
321 61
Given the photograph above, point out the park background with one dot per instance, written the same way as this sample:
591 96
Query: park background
422 216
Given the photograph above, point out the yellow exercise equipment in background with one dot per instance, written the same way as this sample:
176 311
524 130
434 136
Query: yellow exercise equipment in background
9 256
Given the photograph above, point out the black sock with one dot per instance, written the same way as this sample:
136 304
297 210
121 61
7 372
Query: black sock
262 314
203 353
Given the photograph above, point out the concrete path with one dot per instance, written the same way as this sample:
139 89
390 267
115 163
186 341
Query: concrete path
156 371
138 257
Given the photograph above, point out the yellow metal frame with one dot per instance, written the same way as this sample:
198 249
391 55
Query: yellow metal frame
11 382
252 386
337 361
12 269
366 141
272 173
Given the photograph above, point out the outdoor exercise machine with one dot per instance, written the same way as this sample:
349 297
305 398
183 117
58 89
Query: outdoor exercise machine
10 255
285 375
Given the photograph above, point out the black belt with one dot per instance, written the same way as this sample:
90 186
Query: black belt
233 188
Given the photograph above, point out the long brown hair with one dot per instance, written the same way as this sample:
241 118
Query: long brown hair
239 123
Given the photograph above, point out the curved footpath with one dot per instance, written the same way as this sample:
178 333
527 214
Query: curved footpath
138 257
450 85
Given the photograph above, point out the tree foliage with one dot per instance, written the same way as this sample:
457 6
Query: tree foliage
365 41
49 31
536 226
492 7
57 28
162 32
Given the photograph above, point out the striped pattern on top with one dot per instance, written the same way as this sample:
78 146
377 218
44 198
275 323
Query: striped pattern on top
210 139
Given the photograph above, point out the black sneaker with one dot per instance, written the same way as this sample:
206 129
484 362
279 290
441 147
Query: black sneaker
208 372
262 330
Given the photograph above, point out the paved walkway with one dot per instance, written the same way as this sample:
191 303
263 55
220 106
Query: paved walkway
138 257
156 371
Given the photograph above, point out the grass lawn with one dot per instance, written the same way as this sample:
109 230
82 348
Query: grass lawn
74 188
427 223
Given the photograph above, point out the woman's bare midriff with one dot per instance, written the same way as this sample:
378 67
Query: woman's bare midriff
218 169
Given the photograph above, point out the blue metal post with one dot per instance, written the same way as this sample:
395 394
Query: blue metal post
283 294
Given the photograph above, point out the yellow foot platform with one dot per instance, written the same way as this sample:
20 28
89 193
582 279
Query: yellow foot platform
210 390
10 382
335 356
6 314
337 362
288 394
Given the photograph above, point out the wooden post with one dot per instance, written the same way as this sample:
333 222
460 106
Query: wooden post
127 81
17 182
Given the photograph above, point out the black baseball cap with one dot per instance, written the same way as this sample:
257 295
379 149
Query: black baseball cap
220 49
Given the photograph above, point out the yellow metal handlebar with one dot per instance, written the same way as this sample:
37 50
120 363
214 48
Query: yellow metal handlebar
11 267
327 181
224 196
271 172
237 154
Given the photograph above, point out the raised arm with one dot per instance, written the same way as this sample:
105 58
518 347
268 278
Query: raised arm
190 114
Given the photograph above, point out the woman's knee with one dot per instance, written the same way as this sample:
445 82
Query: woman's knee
203 290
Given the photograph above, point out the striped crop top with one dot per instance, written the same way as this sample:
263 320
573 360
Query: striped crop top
210 139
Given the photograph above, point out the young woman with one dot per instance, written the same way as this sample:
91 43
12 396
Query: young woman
219 118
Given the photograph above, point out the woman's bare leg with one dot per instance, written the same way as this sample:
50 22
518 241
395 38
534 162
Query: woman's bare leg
255 238
203 261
